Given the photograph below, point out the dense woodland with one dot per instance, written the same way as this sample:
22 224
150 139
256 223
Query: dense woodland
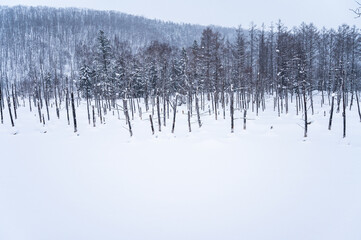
112 60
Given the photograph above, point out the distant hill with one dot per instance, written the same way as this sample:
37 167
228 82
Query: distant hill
24 23
32 34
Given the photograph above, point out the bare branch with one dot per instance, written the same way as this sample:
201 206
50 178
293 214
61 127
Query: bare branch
357 11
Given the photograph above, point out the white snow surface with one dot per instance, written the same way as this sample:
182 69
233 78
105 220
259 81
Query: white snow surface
258 183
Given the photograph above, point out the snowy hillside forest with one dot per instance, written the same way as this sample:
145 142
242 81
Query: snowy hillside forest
114 126
53 57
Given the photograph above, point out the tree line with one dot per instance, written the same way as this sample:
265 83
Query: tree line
289 64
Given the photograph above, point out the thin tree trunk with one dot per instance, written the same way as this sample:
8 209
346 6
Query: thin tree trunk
67 105
100 111
47 107
331 113
10 114
189 121
198 115
29 104
14 101
164 111
56 104
74 113
151 123
174 113
352 96
158 113
126 113
1 108
215 105
244 119
87 108
39 111
358 106
305 107
94 120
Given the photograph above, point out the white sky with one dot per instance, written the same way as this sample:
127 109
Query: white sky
229 13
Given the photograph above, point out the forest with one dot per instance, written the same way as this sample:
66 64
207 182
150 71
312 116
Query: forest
59 57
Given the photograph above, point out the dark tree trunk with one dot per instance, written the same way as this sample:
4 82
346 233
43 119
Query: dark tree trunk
100 113
132 107
174 113
198 114
39 111
67 105
87 108
358 106
146 102
29 103
94 120
10 114
158 113
352 97
189 121
151 123
1 107
14 101
244 119
331 113
74 113
215 105
47 107
56 104
164 111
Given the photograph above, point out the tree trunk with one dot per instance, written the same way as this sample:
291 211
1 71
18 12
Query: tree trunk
47 107
158 113
39 111
164 111
215 105
56 104
174 113
189 121
29 104
305 107
74 113
198 115
244 119
67 105
94 120
126 113
14 101
151 123
331 112
358 106
10 114
87 108
1 108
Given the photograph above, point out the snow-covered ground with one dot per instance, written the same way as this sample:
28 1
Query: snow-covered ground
266 182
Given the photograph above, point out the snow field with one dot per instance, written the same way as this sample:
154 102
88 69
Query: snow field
259 183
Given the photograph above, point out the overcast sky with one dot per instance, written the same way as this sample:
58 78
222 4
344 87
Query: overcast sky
229 13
